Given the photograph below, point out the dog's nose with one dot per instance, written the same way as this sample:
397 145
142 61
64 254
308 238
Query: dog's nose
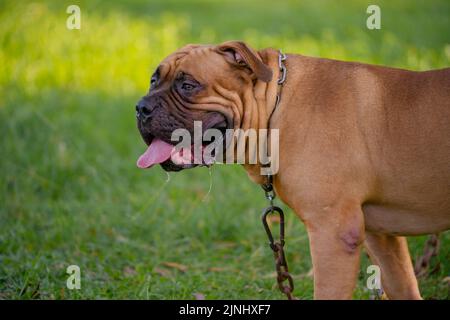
143 111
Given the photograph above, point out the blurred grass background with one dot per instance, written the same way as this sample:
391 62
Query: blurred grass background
70 192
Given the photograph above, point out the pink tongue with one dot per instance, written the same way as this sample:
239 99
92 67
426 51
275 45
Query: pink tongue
157 152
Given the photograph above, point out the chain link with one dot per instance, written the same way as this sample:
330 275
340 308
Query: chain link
430 251
281 58
284 279
283 73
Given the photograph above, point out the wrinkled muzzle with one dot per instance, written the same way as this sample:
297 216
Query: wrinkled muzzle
162 128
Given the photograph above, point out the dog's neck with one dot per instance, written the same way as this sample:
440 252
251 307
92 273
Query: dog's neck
265 98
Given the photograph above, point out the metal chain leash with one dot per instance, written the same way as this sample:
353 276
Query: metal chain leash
284 279
430 251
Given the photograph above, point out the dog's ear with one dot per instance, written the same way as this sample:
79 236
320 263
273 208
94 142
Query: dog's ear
239 54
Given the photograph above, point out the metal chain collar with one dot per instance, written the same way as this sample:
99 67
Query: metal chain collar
284 279
282 78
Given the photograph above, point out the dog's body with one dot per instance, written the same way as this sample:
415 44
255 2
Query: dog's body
364 152
369 159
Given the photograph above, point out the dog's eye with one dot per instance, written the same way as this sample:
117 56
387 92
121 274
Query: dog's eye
153 80
186 86
155 77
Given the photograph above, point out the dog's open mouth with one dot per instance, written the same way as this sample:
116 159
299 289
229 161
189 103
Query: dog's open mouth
173 158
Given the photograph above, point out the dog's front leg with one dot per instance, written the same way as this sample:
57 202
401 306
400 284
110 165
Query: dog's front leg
335 234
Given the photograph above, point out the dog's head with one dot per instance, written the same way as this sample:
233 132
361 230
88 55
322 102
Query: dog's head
196 83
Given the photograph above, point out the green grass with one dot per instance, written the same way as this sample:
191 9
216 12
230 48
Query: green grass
69 189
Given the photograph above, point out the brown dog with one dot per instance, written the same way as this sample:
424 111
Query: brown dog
364 150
